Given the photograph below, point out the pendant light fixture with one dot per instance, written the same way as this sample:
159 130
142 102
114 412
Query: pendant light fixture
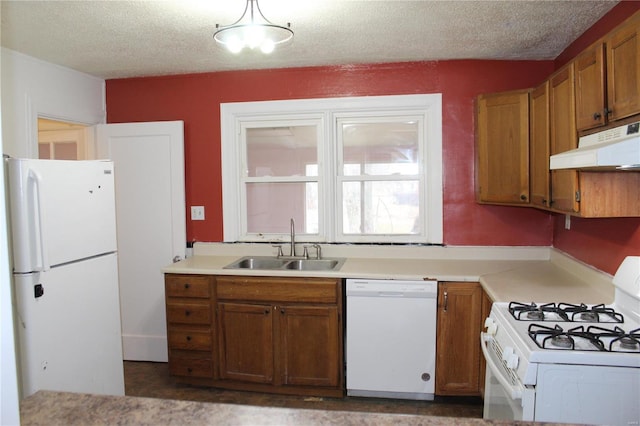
252 30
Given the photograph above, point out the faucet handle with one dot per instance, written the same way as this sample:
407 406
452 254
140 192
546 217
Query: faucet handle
305 252
279 247
318 251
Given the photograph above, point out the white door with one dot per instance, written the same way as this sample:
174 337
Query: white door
151 229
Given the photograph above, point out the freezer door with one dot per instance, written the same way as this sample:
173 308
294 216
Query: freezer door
61 211
69 332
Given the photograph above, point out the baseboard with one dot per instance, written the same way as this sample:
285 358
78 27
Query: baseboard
144 348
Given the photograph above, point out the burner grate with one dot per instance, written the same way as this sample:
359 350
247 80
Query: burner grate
564 312
557 338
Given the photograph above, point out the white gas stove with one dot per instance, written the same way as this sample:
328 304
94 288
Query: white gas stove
562 362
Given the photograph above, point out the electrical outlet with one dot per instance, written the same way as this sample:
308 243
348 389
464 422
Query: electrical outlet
197 212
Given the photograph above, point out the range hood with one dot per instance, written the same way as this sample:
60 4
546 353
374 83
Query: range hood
613 149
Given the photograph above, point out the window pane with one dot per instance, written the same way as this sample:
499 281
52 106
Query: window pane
281 151
44 151
65 151
380 148
271 205
389 207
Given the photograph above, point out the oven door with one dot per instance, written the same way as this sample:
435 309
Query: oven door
505 398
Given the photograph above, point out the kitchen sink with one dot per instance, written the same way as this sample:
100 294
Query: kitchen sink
275 263
313 264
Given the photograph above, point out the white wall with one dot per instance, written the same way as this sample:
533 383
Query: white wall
32 88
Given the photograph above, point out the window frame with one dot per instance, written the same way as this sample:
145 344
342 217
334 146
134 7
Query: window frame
327 111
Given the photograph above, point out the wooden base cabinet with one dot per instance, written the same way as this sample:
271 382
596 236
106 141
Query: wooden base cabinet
190 327
281 334
267 334
458 338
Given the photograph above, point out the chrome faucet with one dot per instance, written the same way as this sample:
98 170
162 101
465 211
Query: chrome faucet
292 253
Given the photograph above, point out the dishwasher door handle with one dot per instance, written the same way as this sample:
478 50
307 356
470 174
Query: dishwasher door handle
391 293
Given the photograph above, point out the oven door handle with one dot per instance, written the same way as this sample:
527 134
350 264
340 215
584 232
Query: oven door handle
514 390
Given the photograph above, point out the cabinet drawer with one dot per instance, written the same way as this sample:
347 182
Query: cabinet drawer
188 286
197 340
188 313
191 367
308 290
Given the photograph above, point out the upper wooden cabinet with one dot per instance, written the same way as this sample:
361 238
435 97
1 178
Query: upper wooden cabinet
590 88
539 146
623 70
608 78
502 137
563 137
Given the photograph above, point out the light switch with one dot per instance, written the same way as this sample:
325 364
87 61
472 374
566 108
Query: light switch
197 212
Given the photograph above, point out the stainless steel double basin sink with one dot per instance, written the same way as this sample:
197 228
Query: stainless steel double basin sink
286 264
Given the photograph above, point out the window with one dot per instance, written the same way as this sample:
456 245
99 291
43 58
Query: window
345 169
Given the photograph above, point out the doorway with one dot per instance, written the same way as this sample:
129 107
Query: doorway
59 140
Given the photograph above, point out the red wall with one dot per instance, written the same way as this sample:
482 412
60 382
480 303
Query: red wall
196 99
602 243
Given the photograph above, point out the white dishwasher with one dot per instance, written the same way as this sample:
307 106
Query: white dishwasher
391 338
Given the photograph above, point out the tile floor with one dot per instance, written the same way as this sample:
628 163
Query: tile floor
150 379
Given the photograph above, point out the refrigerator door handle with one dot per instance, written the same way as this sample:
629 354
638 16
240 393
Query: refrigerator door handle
42 261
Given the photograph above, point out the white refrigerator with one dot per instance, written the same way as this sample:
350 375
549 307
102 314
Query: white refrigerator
65 271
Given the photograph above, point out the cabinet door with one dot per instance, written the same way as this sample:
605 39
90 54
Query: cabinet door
564 183
458 338
246 342
309 345
539 146
590 88
623 71
503 148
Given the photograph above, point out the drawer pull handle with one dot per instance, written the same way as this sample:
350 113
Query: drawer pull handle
446 301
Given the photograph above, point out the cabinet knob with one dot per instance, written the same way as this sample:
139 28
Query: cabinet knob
189 370
282 311
608 111
523 197
188 338
597 116
266 311
187 313
425 377
187 285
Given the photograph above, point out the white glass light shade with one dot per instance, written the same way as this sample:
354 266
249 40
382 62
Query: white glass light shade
252 30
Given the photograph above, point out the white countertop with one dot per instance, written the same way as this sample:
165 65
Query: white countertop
527 274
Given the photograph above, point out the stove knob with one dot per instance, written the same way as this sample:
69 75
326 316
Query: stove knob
507 353
491 326
512 362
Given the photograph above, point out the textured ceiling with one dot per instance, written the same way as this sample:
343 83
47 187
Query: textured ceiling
113 39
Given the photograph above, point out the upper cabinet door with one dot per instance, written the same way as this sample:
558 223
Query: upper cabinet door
590 88
539 175
564 183
623 71
503 148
